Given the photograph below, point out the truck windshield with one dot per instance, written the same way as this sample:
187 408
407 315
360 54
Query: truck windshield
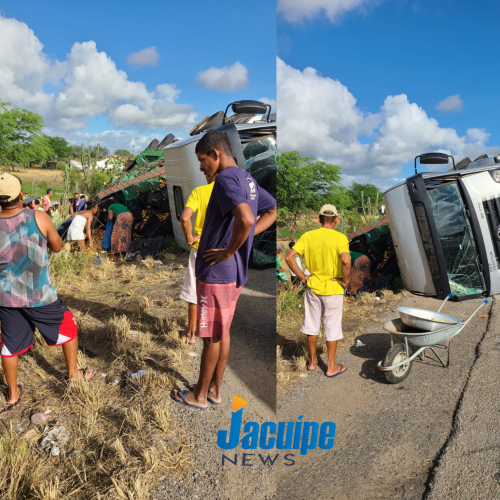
457 241
260 163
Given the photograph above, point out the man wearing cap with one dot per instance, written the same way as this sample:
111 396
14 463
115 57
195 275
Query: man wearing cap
28 300
327 257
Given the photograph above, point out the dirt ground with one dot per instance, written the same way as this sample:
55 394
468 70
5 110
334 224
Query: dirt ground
122 435
388 437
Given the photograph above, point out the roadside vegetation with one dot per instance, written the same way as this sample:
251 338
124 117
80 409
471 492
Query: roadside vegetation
122 436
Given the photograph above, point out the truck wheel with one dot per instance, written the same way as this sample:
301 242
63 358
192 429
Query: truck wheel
395 355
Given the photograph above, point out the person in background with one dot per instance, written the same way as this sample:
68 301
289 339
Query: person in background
360 272
80 205
46 201
56 214
26 304
222 260
280 273
38 205
294 278
122 229
197 203
73 203
81 226
326 253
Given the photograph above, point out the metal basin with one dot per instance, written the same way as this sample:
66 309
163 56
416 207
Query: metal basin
423 319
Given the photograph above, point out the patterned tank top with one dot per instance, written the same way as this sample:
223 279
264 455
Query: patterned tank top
25 279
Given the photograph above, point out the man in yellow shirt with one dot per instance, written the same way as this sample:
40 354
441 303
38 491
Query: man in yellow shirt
327 257
197 203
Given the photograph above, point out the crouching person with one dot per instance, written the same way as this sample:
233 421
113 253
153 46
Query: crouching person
28 300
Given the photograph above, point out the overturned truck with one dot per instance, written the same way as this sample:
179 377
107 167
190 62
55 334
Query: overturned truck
156 185
445 227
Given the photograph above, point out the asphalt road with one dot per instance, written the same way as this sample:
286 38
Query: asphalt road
250 374
401 441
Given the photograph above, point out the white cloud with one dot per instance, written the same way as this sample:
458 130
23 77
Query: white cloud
452 103
319 117
295 11
144 57
88 85
272 102
226 79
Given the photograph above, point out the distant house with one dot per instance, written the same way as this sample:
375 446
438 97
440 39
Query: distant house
113 161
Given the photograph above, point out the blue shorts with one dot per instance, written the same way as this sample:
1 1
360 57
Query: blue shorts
55 322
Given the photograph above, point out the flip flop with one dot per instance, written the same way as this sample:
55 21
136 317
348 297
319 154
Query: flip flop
84 375
21 390
191 388
184 402
339 372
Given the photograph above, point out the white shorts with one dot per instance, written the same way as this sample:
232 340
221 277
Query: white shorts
317 306
189 288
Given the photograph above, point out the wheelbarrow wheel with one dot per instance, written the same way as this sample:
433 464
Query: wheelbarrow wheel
395 355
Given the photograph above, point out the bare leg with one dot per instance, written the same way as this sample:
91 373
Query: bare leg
333 368
312 341
70 350
10 370
82 244
67 247
216 383
209 360
191 328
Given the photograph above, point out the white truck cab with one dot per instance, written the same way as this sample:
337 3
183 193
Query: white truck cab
446 228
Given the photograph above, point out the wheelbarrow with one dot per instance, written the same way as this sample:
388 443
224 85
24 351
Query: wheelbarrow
407 343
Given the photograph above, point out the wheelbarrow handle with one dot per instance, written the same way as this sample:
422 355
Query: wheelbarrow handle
444 302
473 314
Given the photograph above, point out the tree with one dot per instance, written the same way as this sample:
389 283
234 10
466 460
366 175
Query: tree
368 190
101 152
123 152
61 147
304 185
21 138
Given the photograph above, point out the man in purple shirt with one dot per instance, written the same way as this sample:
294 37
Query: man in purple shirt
238 209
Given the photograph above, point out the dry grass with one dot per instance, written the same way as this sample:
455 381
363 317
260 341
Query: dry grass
121 430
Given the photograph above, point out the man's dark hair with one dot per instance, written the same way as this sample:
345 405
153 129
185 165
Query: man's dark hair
77 194
327 219
291 244
83 197
49 191
214 140
37 202
3 199
90 205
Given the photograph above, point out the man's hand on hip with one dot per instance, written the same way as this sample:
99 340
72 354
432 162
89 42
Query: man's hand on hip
216 255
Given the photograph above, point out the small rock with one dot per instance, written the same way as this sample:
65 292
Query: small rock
158 262
115 382
303 375
55 451
192 354
134 332
104 375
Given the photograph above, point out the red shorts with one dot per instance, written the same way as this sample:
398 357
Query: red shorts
215 311
55 322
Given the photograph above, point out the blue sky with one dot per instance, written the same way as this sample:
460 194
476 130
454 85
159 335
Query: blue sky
427 50
190 37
